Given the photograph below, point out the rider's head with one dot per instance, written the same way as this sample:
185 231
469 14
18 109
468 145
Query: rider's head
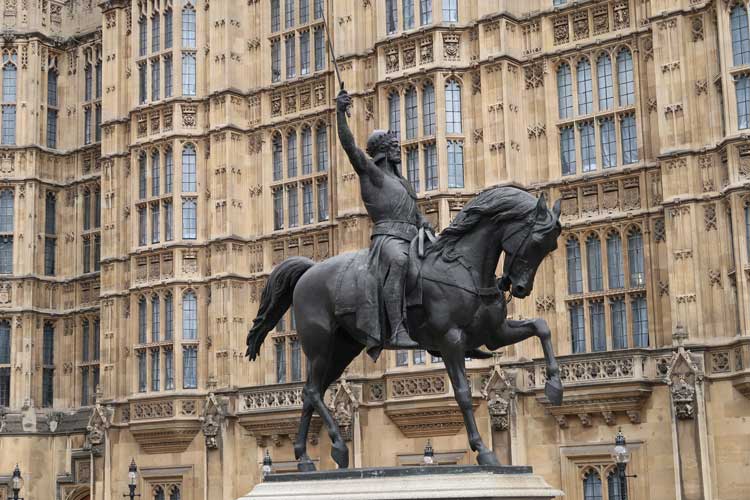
384 145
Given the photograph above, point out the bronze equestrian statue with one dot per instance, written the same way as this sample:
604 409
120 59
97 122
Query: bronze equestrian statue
455 305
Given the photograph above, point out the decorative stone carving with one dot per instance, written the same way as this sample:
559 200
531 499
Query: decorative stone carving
534 75
451 46
500 391
99 422
6 293
409 55
581 25
377 391
601 19
189 112
660 233
344 406
621 14
684 374
391 60
152 410
214 411
709 217
561 30
418 386
425 50
714 277
720 362
696 26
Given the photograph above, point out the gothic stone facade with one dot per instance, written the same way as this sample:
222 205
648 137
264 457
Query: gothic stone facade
159 157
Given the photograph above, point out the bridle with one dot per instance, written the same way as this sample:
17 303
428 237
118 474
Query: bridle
505 282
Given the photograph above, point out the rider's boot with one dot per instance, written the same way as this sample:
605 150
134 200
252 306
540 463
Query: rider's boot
399 338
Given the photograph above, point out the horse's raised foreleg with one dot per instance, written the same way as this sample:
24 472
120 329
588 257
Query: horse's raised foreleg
512 332
455 364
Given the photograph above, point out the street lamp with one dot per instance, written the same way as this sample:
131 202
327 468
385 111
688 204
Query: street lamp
132 480
267 464
17 483
429 454
621 456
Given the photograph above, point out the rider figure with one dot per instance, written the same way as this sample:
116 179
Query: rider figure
392 205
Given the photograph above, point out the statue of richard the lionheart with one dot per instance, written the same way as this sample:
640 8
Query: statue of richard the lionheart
391 203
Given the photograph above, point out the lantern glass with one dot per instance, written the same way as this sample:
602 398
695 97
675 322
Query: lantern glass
621 454
17 481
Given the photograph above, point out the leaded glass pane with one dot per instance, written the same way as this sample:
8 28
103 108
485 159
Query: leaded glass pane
575 276
619 324
564 91
625 80
594 261
453 107
604 79
577 328
585 88
598 330
189 316
740 35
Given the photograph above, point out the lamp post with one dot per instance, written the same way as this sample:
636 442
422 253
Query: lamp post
267 467
17 483
132 480
429 454
621 456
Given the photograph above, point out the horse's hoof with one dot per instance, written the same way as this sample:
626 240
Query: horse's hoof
305 465
553 389
487 458
340 455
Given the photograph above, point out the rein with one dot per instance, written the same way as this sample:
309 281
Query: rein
505 279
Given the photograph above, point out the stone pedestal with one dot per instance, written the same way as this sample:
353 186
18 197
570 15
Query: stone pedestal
412 483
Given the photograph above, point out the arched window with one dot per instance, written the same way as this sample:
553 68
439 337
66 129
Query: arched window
598 327
48 362
155 318
321 143
742 89
594 263
568 150
394 114
604 79
291 154
575 277
608 142
307 160
168 317
142 36
155 370
159 493
585 87
639 310
615 271
189 316
408 10
740 35
428 109
155 173
391 16
289 14
6 231
168 170
425 12
564 91
275 15
592 486
7 200
188 27
625 80
619 323
52 113
411 113
577 328
174 493
88 82
189 219
5 341
190 367
189 183
453 107
142 164
614 487
188 74
155 32
142 320
276 152
9 101
168 29
450 11
455 164
635 258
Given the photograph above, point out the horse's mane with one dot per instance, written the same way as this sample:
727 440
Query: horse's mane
502 203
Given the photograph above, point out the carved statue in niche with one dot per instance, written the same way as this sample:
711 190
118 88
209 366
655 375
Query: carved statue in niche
214 410
499 391
684 374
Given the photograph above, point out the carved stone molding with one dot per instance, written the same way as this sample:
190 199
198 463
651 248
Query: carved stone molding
440 417
684 373
500 391
161 437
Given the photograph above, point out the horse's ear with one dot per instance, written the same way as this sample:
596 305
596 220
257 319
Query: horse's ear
556 209
541 206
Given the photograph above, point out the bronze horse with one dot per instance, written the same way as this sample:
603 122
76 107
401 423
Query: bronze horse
462 306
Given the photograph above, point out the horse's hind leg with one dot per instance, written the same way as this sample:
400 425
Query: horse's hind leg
323 370
304 464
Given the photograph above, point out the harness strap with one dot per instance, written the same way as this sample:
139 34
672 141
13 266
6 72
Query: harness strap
480 292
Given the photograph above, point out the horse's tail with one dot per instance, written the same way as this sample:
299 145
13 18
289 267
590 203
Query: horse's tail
275 300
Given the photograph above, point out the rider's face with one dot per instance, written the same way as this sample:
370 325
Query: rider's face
394 152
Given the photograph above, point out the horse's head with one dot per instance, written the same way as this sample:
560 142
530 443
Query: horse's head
526 243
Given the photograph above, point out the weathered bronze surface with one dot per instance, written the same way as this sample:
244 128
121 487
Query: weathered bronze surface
352 301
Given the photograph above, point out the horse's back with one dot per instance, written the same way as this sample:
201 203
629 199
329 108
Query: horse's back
321 281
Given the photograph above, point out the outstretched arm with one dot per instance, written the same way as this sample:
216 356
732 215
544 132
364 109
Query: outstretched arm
356 156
